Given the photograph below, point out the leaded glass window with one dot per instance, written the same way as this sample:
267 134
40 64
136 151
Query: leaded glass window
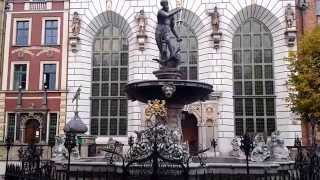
253 80
11 125
189 52
53 121
109 105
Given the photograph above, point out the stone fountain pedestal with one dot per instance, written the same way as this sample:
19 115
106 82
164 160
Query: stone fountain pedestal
169 87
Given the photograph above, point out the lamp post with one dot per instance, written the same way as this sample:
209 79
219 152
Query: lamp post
69 143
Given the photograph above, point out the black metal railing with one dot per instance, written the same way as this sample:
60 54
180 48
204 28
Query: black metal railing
34 166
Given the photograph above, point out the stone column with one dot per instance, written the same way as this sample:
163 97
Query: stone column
174 116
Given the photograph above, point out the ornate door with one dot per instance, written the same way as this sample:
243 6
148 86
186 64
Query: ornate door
32 131
190 131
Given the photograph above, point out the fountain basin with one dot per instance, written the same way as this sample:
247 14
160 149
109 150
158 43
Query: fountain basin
186 92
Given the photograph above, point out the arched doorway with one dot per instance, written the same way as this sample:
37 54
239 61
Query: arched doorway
190 131
32 131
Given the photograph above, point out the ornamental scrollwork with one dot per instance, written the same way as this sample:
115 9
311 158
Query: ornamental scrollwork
156 108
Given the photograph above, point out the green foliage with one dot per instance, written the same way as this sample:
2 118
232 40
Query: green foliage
304 80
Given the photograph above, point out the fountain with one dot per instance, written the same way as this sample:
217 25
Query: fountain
159 144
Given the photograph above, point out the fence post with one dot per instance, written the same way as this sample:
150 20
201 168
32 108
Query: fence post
247 146
9 142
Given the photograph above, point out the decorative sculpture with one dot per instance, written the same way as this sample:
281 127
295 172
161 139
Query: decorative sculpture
156 109
215 22
109 5
76 24
261 151
142 22
75 30
59 152
236 151
290 33
168 90
290 16
278 150
166 25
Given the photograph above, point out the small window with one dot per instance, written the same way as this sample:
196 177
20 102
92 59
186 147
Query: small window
20 76
49 76
51 32
22 33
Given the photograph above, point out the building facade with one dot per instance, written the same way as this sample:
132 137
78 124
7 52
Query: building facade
240 49
34 87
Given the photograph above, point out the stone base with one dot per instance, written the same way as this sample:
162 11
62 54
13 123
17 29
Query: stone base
214 165
85 141
170 73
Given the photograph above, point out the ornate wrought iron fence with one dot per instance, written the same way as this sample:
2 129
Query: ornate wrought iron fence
154 166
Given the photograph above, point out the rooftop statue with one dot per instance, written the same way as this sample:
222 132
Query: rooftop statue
166 25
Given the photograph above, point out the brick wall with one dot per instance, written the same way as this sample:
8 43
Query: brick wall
306 21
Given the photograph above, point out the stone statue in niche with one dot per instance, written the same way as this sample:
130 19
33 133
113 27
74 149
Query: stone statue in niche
290 16
164 28
278 149
215 21
109 5
142 22
261 151
76 24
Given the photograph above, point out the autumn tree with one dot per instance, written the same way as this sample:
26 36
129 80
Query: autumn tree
304 81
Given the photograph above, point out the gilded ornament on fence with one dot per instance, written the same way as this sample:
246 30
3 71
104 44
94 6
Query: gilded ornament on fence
156 108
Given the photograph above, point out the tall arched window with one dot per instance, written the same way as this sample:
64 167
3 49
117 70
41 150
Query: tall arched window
109 77
189 52
253 81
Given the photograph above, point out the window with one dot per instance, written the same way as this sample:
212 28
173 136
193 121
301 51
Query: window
11 125
22 33
189 52
53 118
49 76
51 32
253 83
20 76
109 76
